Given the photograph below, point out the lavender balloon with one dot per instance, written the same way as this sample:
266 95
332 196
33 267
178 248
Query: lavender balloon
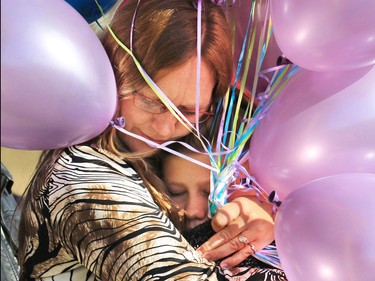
326 35
325 229
58 86
321 124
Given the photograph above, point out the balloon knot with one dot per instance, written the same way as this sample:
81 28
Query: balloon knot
274 198
281 60
120 122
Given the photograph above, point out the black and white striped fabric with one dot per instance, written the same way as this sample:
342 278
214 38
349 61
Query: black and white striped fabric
95 220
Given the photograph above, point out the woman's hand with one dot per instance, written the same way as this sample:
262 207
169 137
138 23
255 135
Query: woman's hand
242 227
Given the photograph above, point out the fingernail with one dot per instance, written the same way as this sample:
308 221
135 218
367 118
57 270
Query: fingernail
207 257
224 265
199 253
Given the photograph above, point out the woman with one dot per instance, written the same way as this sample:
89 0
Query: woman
97 211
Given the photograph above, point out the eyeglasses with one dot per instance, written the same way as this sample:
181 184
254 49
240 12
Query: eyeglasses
155 106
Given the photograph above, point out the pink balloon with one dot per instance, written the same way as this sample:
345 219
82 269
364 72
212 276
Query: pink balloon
57 84
241 18
325 229
321 124
326 35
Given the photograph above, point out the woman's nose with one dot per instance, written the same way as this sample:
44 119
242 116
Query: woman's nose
164 125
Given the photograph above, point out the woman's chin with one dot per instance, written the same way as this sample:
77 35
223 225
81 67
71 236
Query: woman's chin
138 146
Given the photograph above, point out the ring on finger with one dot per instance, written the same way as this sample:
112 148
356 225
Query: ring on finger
243 239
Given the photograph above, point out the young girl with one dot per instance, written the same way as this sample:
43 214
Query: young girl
188 185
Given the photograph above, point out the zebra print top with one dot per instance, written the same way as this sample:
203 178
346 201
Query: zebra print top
97 221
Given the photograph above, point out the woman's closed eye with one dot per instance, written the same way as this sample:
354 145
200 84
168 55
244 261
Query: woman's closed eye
188 112
153 103
149 102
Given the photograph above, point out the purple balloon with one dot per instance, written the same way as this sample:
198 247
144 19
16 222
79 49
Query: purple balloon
326 35
321 124
58 86
325 229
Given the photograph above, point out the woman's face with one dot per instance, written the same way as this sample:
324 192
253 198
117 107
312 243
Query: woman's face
179 85
188 186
